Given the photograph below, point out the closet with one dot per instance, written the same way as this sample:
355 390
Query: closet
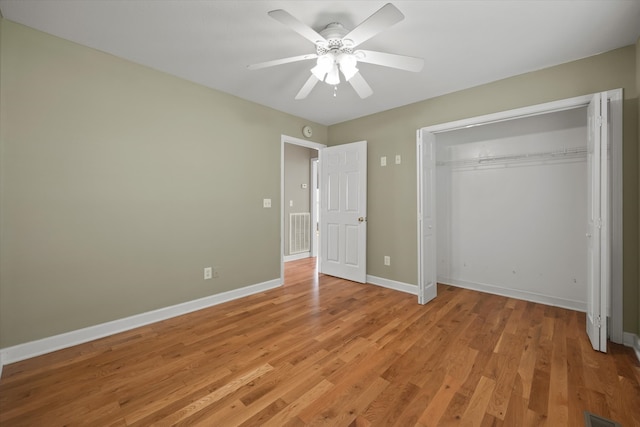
511 208
527 203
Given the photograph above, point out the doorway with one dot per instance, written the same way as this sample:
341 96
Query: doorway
286 202
428 227
342 180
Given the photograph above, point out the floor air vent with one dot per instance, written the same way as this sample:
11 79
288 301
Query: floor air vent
591 420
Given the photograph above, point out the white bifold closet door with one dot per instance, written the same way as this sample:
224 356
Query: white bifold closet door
598 262
427 277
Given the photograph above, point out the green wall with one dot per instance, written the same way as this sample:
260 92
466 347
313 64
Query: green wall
392 189
119 184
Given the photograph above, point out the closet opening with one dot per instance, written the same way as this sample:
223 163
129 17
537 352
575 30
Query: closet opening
509 204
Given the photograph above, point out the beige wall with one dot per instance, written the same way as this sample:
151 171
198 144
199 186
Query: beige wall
119 184
392 189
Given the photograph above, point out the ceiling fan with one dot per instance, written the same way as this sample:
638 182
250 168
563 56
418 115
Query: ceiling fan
336 50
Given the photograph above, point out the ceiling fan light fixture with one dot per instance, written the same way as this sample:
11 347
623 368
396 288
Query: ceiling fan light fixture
323 66
348 72
319 72
333 76
348 64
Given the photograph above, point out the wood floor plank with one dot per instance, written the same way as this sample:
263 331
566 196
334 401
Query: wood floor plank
441 400
294 408
325 351
476 410
558 406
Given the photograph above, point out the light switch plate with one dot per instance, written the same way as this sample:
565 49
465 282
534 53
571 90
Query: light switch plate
266 203
398 159
383 161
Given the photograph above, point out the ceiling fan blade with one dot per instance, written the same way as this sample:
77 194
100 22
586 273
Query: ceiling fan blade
307 87
408 63
281 61
361 86
385 17
292 22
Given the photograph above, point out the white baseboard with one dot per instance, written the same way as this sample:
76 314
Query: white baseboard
296 257
392 284
515 293
57 342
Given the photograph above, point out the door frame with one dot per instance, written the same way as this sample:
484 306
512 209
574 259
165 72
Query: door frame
314 199
615 98
285 139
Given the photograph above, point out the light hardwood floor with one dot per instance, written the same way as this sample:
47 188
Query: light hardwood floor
325 351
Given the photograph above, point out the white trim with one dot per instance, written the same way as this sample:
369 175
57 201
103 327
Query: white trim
632 340
419 189
57 342
616 298
284 139
313 202
295 257
518 294
392 284
518 113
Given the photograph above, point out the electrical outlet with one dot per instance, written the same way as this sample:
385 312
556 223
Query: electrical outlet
387 260
383 161
398 159
208 273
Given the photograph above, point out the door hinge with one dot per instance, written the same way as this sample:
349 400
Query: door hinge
599 224
599 121
598 322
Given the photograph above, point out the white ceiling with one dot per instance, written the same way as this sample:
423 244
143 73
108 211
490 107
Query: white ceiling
463 43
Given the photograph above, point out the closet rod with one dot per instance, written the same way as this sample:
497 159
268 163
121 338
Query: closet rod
576 152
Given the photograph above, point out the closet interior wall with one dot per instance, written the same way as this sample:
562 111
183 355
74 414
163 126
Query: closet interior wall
512 208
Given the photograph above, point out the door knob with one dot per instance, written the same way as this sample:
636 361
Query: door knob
362 219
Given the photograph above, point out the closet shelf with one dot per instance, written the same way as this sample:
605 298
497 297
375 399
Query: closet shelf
563 154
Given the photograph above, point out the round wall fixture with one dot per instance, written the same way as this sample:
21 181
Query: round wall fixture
307 131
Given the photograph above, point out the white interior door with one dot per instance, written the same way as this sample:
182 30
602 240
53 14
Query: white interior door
598 222
427 273
343 211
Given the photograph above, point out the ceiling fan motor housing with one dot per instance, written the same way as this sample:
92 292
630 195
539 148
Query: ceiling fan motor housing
333 40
